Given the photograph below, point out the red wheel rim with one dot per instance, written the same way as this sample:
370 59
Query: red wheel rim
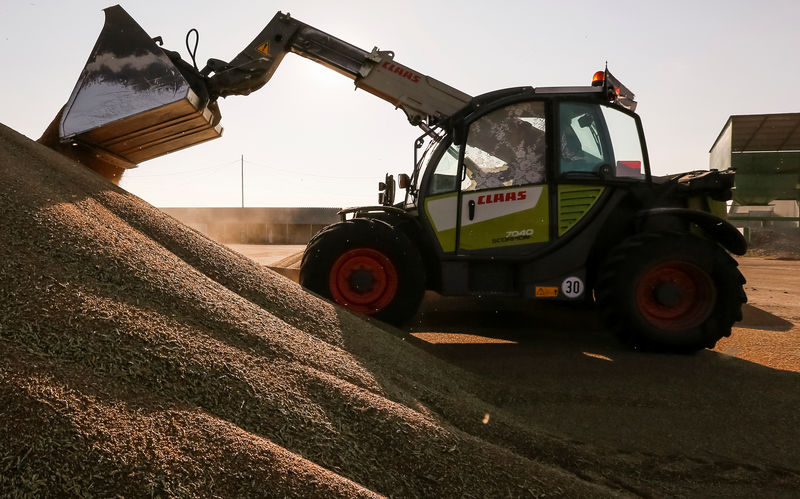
675 295
363 280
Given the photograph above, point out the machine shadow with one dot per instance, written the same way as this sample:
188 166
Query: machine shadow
756 318
556 368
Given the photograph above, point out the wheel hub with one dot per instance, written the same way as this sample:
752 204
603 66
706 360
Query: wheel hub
363 280
669 294
675 295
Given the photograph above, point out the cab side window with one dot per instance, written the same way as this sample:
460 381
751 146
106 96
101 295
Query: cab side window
506 147
624 136
582 148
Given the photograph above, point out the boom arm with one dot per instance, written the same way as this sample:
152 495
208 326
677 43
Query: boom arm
135 101
425 100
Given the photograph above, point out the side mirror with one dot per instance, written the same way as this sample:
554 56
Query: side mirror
386 191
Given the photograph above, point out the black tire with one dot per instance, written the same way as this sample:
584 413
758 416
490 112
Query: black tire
368 267
670 291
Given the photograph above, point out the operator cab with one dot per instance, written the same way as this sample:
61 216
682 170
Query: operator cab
598 134
515 171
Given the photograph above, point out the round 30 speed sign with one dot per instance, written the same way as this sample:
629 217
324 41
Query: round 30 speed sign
572 287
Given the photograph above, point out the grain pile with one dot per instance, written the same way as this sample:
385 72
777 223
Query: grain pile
138 357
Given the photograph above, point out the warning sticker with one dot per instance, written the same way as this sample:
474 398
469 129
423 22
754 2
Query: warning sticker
263 48
546 291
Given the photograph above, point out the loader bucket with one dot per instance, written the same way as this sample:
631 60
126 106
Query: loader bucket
132 102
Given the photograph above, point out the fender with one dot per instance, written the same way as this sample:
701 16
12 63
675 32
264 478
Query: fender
365 210
717 228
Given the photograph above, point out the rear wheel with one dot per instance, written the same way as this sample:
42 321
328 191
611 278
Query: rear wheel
670 292
368 267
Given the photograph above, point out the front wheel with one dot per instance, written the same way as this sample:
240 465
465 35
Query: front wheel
368 267
668 291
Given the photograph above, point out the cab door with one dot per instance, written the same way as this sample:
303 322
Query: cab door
504 197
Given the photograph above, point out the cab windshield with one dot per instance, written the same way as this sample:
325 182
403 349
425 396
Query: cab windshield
425 149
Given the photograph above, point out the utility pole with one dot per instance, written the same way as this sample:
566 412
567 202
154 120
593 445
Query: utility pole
242 168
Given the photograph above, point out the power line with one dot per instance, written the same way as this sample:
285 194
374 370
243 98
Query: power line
308 185
316 183
184 172
238 161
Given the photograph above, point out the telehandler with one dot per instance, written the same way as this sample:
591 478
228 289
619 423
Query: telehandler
541 193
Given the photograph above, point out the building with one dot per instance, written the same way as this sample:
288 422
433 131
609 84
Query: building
764 149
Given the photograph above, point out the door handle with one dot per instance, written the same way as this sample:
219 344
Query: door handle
471 206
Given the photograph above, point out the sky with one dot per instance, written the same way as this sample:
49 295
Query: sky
308 139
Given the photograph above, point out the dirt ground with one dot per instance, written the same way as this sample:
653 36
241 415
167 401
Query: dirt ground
278 255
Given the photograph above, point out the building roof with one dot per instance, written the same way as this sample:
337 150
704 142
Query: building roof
763 132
